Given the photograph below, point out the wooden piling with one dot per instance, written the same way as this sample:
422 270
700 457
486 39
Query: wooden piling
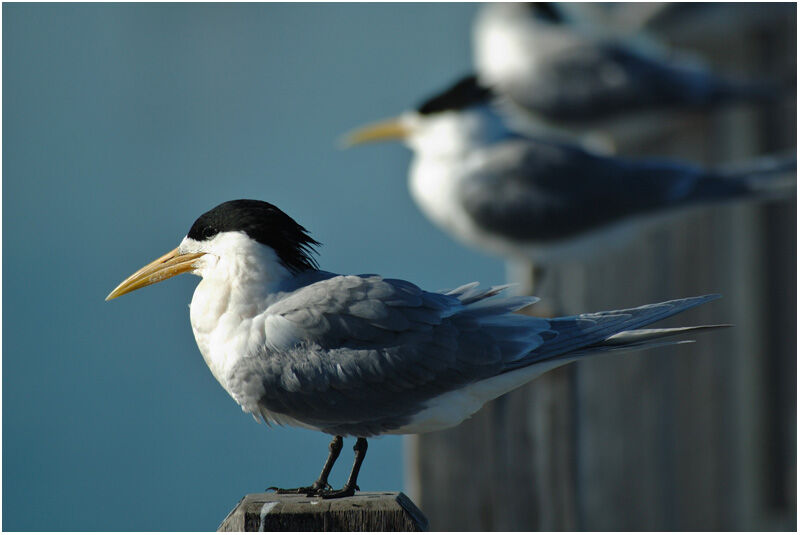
366 511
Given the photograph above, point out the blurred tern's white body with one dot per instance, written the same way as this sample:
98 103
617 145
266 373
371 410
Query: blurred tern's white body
536 198
450 150
573 74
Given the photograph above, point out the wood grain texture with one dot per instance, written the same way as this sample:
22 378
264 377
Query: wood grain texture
696 437
366 511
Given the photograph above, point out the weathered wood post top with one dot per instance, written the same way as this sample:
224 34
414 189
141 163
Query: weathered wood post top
366 511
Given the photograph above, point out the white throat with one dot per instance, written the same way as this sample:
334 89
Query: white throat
452 134
448 148
240 277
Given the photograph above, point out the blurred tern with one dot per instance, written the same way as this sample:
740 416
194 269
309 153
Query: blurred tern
530 198
571 74
362 355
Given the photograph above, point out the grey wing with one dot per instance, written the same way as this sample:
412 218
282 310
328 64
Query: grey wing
604 79
366 353
534 191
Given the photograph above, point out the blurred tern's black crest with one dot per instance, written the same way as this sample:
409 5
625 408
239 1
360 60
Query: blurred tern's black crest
264 223
546 11
466 93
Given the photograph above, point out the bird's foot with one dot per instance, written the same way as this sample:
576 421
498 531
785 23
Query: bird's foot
308 491
330 494
298 490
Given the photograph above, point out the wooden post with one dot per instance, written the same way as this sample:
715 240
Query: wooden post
699 438
366 511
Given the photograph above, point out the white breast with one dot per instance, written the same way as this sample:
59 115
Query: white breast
228 313
434 183
509 45
224 333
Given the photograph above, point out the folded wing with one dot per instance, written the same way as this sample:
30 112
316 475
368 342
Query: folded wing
366 354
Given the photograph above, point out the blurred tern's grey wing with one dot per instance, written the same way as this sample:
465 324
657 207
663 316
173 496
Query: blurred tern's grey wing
593 81
360 355
529 191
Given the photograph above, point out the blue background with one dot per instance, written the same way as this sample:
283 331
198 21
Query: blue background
122 124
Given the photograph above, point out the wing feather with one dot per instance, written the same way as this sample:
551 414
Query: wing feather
365 354
534 191
366 351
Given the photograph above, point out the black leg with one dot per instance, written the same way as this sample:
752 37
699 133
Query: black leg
350 487
321 484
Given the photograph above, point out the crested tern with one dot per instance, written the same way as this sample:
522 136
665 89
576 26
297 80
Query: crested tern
571 73
534 198
363 355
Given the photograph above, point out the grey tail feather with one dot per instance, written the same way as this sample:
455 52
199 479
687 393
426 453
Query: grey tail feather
772 176
642 339
764 174
615 330
638 335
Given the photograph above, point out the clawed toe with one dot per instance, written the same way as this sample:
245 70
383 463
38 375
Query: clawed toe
312 490
321 488
299 490
341 493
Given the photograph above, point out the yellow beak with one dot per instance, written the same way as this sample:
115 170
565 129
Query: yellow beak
382 131
169 265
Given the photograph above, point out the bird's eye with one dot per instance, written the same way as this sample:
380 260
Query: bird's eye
209 232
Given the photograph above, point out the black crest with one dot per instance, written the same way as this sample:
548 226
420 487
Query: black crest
546 11
465 93
264 223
